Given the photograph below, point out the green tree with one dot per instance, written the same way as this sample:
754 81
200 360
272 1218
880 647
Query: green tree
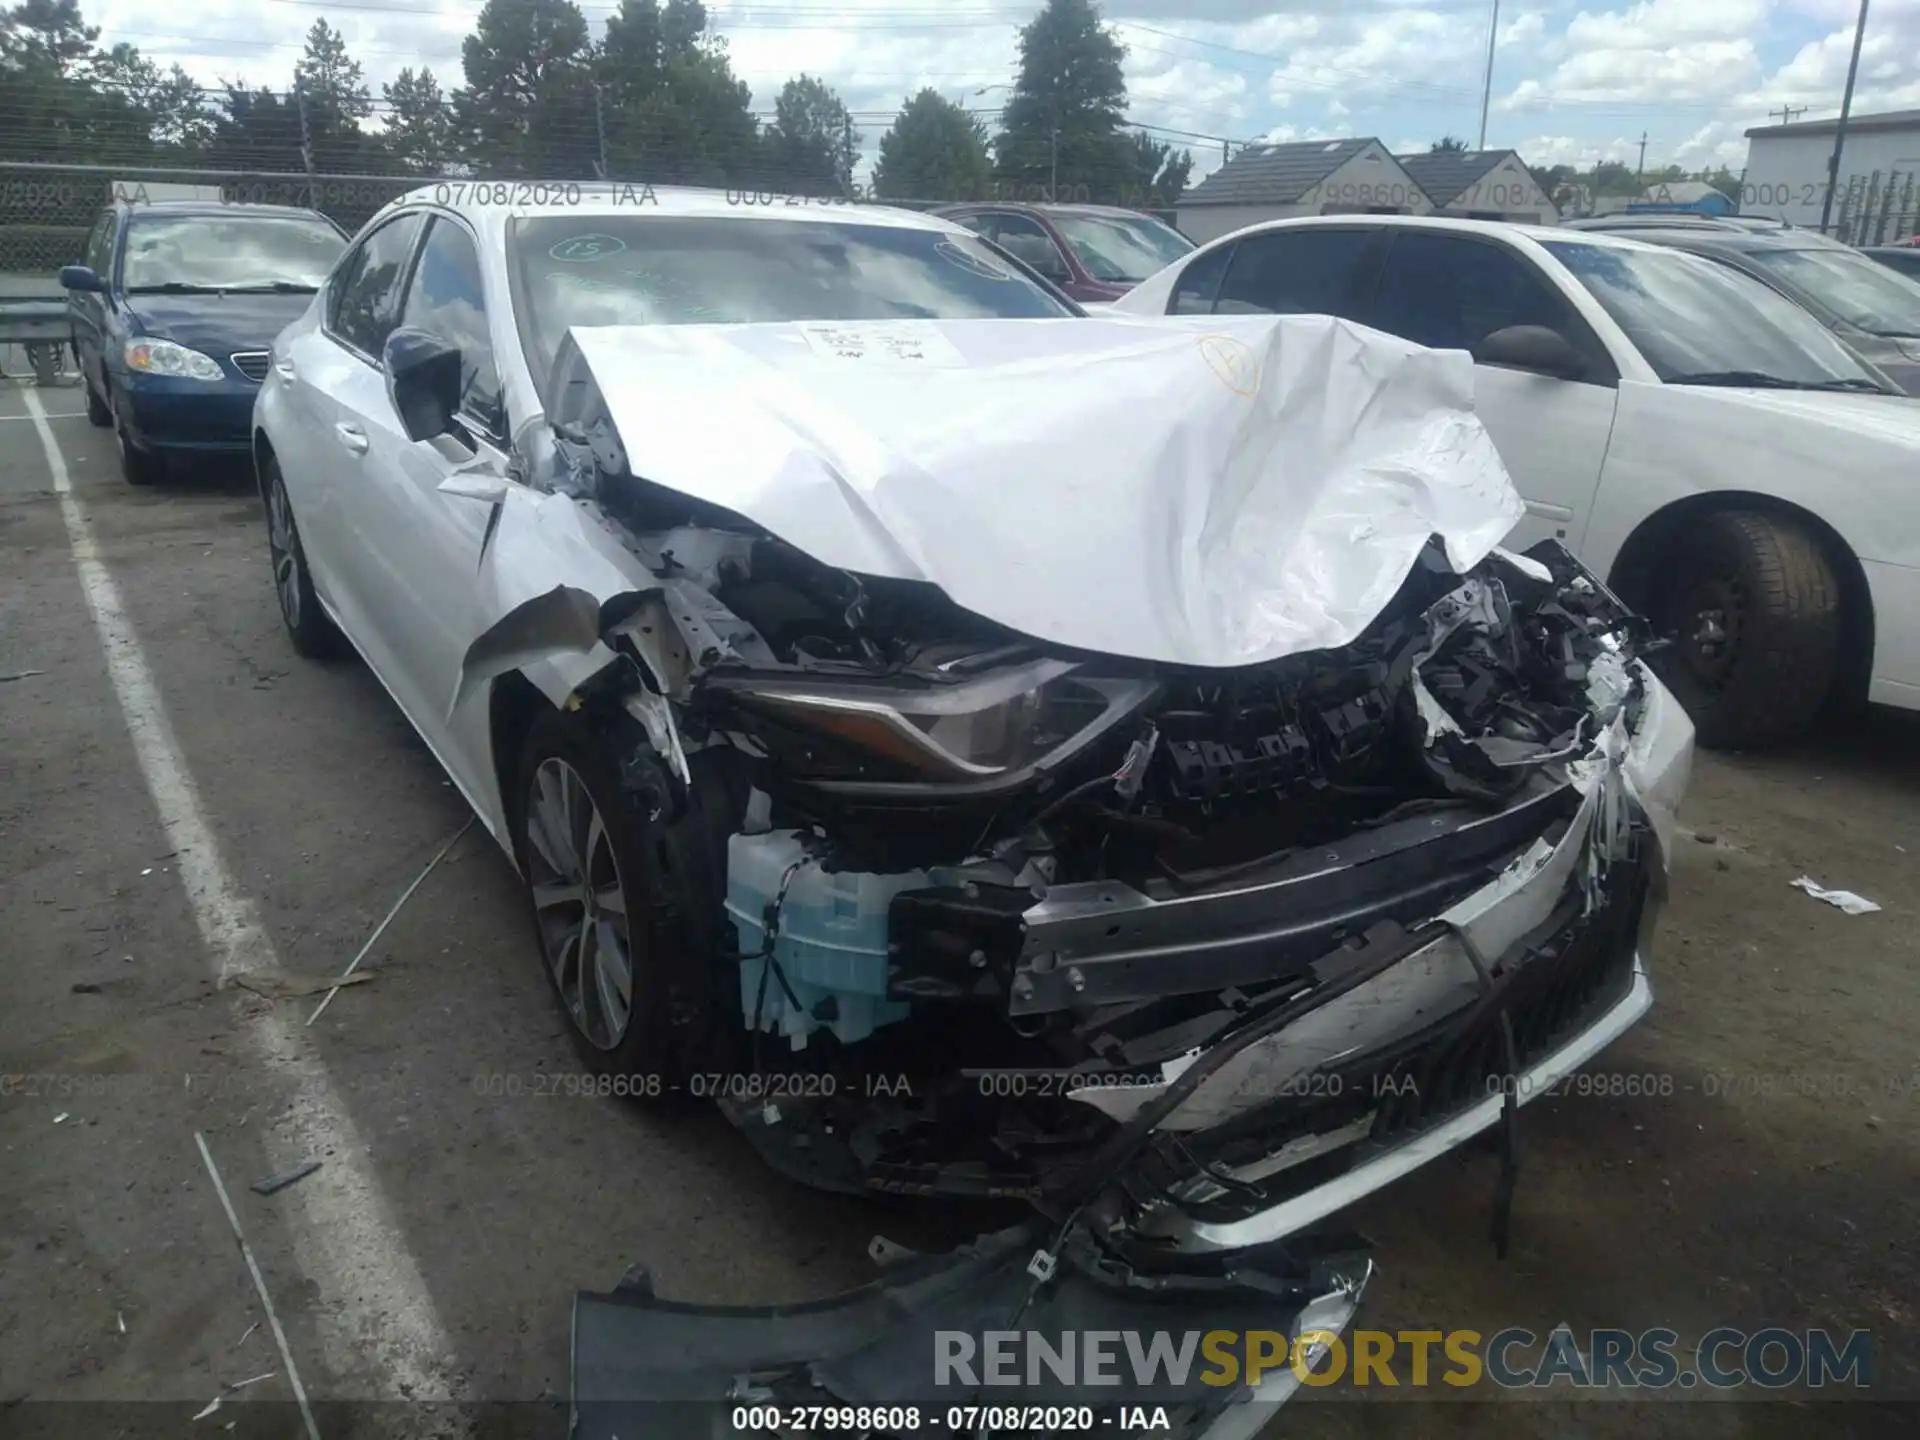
255 129
527 108
1448 145
45 54
671 106
934 150
1061 130
811 146
1159 173
419 128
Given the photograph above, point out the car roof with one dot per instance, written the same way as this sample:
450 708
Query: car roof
489 205
1727 234
1039 207
216 207
1541 234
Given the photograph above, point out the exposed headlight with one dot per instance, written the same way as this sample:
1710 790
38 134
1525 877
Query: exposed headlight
163 357
971 730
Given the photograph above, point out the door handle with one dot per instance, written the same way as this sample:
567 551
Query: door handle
352 436
285 366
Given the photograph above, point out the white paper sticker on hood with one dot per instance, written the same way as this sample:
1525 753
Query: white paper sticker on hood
1211 491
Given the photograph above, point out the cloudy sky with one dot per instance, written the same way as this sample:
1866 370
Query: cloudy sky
1574 80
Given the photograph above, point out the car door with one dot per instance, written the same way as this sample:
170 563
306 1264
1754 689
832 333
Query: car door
422 546
1449 290
329 366
86 311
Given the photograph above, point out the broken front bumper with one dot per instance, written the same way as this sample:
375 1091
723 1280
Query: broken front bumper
1462 1015
932 1346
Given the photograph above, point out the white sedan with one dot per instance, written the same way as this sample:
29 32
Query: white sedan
1736 472
974 741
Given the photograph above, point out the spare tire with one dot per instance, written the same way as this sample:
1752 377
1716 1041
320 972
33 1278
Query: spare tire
1753 605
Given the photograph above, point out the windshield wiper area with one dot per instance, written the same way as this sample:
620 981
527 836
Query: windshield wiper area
1760 380
175 287
272 287
252 287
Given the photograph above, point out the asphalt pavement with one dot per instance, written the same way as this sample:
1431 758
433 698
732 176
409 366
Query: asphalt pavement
195 822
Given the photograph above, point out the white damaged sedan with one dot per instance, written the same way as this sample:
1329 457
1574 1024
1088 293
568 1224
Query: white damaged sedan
1105 762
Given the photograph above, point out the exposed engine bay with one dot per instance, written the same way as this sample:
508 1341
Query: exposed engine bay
974 880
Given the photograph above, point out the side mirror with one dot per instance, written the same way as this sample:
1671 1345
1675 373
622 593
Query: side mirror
423 381
1532 347
81 277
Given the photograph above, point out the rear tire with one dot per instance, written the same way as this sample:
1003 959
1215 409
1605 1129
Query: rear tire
634 955
313 634
1754 607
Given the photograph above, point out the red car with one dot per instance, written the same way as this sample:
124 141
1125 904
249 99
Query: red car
1092 252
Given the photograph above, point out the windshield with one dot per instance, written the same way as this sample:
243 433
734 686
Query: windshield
1848 287
705 270
1124 249
229 252
1693 320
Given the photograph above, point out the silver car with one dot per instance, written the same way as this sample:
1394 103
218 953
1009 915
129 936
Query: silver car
989 751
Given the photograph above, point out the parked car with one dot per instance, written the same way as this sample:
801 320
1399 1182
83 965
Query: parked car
1732 468
1095 253
1901 259
1060 801
1875 312
172 312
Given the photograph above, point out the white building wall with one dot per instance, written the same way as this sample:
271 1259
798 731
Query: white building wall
1787 174
1510 191
1201 223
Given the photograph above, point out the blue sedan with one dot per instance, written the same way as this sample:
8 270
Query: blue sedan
174 313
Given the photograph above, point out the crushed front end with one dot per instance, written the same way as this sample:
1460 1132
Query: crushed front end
1187 960
1339 845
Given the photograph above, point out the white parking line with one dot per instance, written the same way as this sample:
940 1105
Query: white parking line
62 415
345 1239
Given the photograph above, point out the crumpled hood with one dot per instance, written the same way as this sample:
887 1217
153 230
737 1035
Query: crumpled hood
1211 491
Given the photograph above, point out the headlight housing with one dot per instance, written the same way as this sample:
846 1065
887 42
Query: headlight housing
970 731
163 357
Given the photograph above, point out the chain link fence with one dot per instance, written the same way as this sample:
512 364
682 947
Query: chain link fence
46 211
1879 209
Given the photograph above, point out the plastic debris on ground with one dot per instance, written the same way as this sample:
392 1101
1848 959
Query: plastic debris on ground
1840 899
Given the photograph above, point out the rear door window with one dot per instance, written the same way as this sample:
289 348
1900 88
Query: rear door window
1315 270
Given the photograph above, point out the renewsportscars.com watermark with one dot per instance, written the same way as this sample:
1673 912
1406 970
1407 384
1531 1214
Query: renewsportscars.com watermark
1514 1358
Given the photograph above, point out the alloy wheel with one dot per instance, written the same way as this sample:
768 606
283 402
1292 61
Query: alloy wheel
579 903
283 548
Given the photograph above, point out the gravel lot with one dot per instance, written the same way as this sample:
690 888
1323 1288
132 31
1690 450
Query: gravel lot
1773 1184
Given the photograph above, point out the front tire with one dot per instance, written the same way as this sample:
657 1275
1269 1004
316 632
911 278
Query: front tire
98 411
313 634
1754 605
625 899
137 466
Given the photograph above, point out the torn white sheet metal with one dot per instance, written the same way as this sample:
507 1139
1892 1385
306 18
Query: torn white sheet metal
1220 491
1840 899
550 563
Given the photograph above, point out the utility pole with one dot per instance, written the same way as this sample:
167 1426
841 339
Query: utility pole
1840 130
306 139
1486 90
1053 180
1640 172
1787 112
600 130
